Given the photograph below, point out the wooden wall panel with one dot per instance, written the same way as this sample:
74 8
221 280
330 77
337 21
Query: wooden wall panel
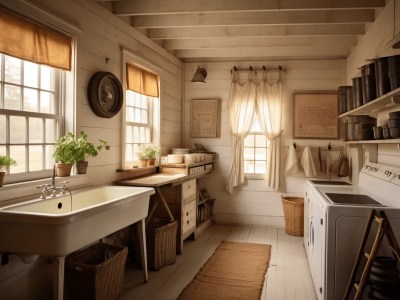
253 203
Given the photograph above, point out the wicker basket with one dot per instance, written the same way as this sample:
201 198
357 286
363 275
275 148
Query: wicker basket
293 211
161 242
96 272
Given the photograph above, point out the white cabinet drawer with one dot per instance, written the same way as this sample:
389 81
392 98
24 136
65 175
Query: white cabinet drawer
188 188
188 216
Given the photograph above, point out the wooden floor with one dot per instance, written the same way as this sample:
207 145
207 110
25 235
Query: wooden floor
288 277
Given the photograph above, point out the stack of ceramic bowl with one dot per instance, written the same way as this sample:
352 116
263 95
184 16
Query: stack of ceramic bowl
394 124
378 132
386 132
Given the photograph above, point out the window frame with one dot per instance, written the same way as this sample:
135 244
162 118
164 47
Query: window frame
252 132
59 116
154 107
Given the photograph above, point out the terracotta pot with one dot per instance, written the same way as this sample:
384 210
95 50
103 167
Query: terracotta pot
151 162
2 173
81 167
63 170
142 163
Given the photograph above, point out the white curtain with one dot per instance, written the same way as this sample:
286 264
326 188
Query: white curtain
241 106
269 114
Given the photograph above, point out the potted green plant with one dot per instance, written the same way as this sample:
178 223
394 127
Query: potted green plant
5 162
86 149
148 153
65 154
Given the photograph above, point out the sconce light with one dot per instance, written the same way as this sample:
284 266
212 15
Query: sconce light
200 75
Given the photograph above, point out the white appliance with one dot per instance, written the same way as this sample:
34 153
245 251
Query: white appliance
337 216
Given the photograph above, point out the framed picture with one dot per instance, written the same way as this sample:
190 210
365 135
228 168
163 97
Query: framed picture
316 115
204 118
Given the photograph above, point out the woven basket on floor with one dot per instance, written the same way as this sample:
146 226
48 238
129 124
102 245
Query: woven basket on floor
161 242
293 210
96 272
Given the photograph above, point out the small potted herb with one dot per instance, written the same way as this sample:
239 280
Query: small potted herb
65 154
148 153
5 162
86 149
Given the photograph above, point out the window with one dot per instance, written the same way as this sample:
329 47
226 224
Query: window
138 123
255 152
142 110
30 116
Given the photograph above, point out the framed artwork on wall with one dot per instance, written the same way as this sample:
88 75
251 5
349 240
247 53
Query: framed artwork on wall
204 118
315 115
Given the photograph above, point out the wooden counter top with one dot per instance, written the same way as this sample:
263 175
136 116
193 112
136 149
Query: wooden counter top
160 179
153 180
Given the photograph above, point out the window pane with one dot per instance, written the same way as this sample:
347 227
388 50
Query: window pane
18 153
17 129
261 141
2 129
49 160
145 101
249 141
30 100
130 114
35 130
143 135
51 130
136 134
137 116
135 152
260 167
46 74
261 153
31 74
148 136
35 158
47 104
12 97
248 166
129 152
12 70
248 153
144 117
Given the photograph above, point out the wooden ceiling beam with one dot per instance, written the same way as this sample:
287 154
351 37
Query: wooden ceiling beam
253 31
207 43
157 7
269 52
254 18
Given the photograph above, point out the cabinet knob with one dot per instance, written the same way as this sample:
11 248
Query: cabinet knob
187 213
187 222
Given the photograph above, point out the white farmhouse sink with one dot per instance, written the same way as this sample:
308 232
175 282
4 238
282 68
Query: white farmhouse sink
59 226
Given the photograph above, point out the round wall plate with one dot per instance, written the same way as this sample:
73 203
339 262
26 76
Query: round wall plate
105 94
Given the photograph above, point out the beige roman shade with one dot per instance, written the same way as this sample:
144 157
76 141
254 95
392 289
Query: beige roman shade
141 81
30 41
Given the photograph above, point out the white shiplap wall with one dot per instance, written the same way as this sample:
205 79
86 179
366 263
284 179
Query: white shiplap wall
253 203
99 35
375 44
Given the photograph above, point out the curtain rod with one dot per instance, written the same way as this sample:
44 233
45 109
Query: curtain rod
263 68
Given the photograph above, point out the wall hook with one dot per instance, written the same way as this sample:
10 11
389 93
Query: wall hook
294 145
329 146
107 60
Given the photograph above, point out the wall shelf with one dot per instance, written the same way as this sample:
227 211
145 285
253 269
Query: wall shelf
383 103
388 141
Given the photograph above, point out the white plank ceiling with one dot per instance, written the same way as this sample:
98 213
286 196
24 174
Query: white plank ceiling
218 30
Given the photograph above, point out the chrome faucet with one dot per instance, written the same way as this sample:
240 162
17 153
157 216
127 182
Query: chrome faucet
52 189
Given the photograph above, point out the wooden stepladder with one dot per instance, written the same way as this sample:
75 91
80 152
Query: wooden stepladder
383 228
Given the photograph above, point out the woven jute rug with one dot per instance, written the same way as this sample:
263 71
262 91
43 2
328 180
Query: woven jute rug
234 271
